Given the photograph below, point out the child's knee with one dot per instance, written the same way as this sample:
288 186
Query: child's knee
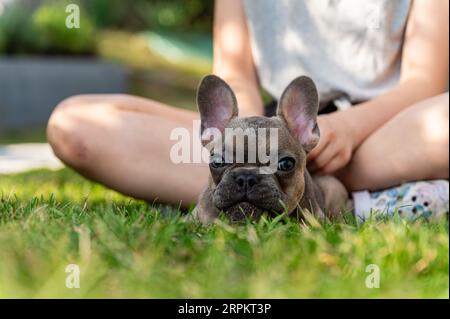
65 132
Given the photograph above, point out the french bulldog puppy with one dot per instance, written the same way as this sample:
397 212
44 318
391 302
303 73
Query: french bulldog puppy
243 189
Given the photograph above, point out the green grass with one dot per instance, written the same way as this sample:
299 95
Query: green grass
126 249
35 135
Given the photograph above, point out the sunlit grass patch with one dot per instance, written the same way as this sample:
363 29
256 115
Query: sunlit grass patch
125 248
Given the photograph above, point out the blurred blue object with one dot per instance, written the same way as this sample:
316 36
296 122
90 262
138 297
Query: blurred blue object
30 87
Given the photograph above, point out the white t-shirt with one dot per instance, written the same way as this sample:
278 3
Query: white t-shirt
350 46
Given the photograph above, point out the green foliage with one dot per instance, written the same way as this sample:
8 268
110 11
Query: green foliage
28 30
19 34
50 23
127 249
2 41
108 13
169 15
39 26
174 15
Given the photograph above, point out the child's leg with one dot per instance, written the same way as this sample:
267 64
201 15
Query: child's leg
123 142
412 146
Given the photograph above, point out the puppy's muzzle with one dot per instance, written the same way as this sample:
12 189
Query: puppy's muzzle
246 181
247 191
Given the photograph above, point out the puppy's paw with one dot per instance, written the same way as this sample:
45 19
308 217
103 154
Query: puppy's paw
335 195
199 213
205 211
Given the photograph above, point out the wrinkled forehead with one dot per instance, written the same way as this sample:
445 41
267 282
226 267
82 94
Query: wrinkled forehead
261 128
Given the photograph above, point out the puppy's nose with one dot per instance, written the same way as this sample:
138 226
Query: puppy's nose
246 181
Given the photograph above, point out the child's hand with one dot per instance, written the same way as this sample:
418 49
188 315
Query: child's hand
335 147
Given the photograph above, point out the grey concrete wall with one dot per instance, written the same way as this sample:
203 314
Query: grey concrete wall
31 87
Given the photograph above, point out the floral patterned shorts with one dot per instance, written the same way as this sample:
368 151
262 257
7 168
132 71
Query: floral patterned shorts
425 199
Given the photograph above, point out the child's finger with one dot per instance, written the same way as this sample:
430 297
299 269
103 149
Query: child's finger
333 165
317 150
327 154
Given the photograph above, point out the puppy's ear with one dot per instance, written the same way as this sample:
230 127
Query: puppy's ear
216 103
299 105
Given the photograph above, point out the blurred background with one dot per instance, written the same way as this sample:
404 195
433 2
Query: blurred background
150 48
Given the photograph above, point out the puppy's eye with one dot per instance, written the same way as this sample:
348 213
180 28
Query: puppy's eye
217 162
286 164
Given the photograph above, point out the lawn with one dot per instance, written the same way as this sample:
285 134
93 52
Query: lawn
125 248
